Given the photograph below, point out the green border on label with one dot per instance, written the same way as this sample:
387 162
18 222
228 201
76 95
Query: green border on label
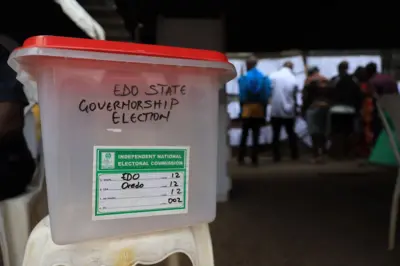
98 172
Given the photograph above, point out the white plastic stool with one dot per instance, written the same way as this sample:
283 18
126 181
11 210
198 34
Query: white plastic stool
147 249
16 219
19 215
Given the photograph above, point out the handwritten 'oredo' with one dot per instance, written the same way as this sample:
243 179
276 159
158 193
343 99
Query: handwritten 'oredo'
132 106
127 185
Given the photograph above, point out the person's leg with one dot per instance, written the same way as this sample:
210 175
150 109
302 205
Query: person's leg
342 135
324 130
350 141
324 144
276 124
256 125
315 138
243 140
289 127
313 131
337 135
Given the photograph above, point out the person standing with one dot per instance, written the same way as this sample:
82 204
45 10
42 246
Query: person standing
254 91
16 162
315 110
284 109
344 112
380 84
366 113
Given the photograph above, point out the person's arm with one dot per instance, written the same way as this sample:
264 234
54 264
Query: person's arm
12 97
305 99
267 90
242 85
296 103
11 118
358 96
242 71
271 86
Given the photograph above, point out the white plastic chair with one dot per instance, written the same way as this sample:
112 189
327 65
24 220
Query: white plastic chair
146 249
16 223
20 214
390 104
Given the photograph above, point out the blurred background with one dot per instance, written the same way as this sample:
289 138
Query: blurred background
293 213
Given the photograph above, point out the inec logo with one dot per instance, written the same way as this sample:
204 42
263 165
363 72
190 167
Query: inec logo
107 160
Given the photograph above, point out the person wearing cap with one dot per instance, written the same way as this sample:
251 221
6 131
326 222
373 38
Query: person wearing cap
315 110
254 91
284 109
16 162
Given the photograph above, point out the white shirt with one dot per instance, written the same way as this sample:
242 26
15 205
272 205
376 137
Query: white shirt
283 83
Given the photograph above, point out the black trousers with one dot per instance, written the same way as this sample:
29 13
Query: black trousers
255 125
277 124
342 136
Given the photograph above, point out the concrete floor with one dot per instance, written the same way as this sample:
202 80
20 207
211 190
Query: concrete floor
313 217
297 214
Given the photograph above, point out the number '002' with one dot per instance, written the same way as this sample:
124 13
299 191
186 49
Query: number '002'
174 200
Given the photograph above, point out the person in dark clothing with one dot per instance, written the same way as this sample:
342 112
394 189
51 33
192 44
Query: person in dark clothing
380 84
315 110
16 162
345 88
346 101
366 113
254 90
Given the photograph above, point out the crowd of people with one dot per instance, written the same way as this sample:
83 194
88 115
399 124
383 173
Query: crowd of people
341 109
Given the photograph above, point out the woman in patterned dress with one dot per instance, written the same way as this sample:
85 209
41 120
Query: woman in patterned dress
367 113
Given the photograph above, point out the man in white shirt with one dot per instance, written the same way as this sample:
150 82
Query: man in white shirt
283 109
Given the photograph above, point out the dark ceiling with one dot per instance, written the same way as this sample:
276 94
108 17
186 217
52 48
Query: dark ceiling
250 25
281 25
24 18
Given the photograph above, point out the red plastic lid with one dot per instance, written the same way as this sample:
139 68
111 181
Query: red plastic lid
79 44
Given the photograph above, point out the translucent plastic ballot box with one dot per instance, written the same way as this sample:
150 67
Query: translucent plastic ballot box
129 133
